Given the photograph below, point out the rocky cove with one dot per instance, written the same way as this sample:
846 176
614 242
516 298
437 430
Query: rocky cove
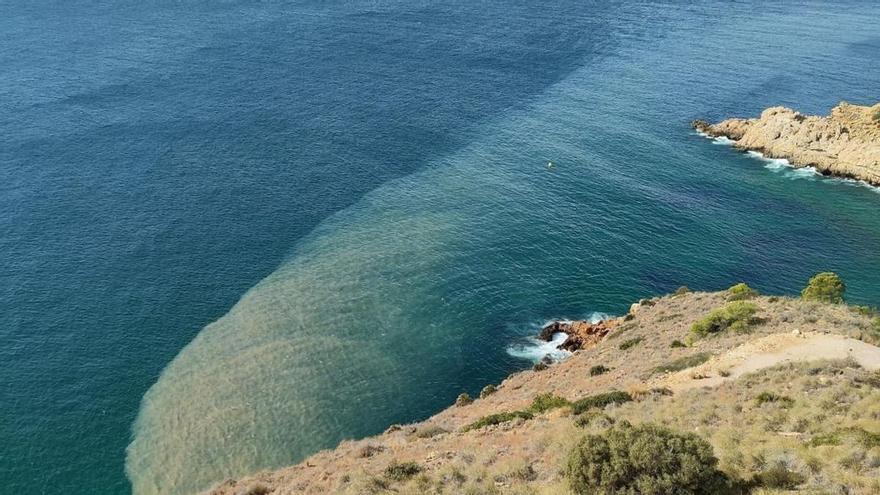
844 144
584 334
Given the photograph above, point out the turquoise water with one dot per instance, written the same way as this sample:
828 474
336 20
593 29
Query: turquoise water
234 234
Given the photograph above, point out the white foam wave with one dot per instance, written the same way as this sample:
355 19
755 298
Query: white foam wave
793 172
535 349
596 317
853 182
721 140
772 163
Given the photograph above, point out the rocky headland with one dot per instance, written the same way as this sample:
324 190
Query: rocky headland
845 143
782 393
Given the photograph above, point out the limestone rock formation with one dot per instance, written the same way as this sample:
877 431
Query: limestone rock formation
844 144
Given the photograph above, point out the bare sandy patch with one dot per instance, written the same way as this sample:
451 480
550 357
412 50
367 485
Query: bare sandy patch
770 351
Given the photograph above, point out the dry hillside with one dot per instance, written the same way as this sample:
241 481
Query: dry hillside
788 398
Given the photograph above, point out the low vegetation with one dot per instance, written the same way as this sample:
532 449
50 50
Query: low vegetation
772 442
463 400
593 417
857 435
778 477
400 471
626 344
545 402
497 419
737 316
599 401
741 292
370 450
430 431
683 363
645 459
765 397
487 391
824 287
598 370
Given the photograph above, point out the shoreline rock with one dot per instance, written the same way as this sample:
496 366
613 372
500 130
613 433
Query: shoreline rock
844 144
581 334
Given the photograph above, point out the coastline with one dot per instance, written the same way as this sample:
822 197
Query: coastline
515 435
844 144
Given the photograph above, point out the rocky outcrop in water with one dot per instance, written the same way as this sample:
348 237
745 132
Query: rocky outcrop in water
581 334
844 144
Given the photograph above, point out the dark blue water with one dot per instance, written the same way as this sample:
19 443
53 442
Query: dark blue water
371 177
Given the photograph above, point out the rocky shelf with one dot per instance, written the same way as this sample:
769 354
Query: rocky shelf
845 143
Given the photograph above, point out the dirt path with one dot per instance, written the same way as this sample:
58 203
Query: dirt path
769 351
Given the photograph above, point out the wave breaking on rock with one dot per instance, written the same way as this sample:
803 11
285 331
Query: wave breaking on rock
844 144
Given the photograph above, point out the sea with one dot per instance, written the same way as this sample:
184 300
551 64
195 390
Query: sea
234 233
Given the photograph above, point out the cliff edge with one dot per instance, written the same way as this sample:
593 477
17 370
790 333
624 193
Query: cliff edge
843 144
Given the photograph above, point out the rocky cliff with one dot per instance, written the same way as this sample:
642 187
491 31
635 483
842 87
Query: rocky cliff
844 144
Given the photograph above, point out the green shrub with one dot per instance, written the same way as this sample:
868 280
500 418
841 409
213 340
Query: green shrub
540 366
463 400
860 436
741 292
824 287
876 115
599 401
402 471
591 417
545 402
599 370
487 391
370 450
683 363
778 477
677 343
736 316
765 397
626 344
681 291
647 460
524 472
495 419
864 310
